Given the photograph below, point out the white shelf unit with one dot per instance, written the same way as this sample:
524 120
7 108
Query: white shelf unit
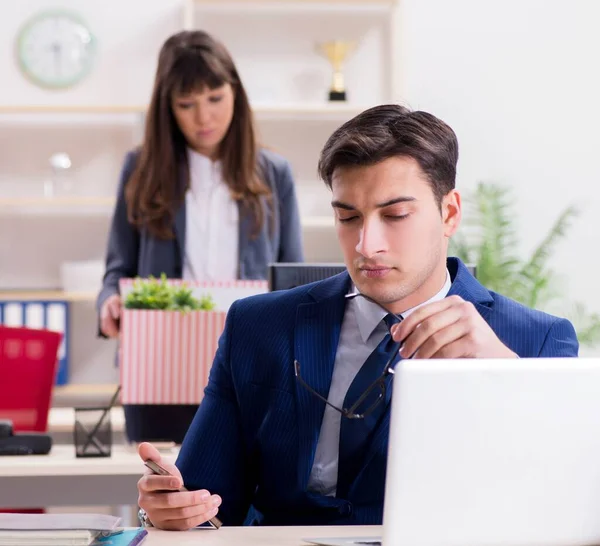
273 43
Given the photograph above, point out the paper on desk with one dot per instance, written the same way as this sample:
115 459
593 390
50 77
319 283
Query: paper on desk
55 537
69 522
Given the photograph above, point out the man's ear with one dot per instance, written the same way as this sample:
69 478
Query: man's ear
451 212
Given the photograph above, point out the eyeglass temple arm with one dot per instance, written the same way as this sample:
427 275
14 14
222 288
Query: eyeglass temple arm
388 370
310 389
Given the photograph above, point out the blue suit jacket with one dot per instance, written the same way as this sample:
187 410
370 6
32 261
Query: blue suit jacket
254 436
133 253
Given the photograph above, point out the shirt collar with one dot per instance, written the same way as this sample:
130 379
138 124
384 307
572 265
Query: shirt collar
369 315
204 172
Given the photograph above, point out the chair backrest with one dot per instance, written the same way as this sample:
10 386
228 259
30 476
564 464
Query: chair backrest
28 360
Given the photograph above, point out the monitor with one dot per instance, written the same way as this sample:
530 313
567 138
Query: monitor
284 275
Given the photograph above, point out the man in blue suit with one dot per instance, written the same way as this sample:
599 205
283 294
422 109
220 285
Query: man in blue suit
293 428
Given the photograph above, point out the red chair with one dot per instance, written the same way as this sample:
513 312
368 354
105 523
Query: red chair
28 365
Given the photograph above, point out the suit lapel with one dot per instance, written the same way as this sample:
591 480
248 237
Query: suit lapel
317 333
468 288
252 250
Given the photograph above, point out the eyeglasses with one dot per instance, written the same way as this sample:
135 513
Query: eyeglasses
379 383
352 412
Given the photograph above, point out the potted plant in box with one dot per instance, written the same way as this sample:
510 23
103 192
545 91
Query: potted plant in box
168 341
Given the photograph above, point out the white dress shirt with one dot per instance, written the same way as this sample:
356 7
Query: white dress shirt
212 223
363 329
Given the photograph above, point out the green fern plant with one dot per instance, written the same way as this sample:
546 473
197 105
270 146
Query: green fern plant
157 294
489 240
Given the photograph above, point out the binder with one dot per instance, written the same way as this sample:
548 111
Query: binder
42 314
129 537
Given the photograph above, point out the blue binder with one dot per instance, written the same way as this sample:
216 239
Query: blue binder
50 314
130 537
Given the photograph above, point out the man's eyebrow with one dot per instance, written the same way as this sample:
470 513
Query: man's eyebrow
340 205
403 199
346 206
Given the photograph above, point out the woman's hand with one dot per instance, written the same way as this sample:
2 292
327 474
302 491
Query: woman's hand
110 315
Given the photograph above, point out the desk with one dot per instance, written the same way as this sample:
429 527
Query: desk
61 479
255 536
61 422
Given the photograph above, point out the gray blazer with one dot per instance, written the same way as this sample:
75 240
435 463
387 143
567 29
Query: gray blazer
134 253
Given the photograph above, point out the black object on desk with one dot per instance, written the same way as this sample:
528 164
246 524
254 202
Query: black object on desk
158 422
93 430
22 443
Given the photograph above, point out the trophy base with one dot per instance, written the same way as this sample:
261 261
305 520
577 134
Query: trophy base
337 96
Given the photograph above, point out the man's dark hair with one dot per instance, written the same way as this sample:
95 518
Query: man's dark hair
392 130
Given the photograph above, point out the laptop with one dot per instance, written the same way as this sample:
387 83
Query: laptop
492 452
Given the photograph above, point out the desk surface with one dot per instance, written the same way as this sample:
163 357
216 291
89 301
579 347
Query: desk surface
61 461
255 536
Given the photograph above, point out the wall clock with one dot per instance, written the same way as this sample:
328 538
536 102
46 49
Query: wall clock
55 49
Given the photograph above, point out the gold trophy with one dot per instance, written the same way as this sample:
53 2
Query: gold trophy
336 52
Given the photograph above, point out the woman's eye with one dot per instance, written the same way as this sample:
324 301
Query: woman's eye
216 99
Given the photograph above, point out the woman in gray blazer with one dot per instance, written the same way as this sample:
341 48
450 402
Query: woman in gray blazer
199 200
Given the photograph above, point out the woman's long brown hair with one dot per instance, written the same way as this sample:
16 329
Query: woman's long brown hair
191 61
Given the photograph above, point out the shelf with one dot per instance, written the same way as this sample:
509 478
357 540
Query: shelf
78 204
97 115
66 201
302 112
82 395
82 204
46 295
345 7
293 2
272 112
85 389
72 109
57 206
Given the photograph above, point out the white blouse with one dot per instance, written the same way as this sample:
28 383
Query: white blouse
212 223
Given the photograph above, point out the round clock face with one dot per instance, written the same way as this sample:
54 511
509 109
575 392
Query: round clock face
55 49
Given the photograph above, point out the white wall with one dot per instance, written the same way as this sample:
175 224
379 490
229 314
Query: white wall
518 81
129 33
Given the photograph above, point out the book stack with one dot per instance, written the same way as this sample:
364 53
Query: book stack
65 530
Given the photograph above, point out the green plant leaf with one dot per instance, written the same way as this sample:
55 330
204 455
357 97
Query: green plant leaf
489 241
151 293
